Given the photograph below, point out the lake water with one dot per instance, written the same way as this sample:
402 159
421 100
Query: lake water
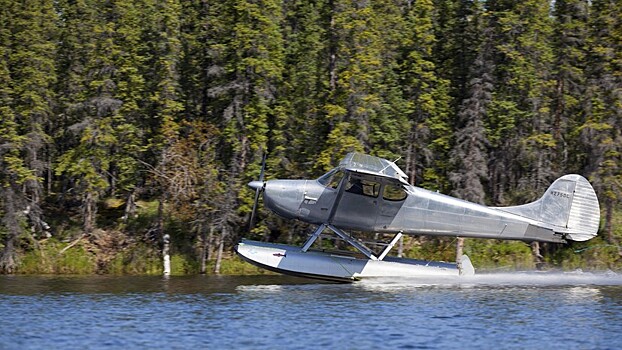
502 311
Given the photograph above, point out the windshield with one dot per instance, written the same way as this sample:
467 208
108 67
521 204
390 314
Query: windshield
332 178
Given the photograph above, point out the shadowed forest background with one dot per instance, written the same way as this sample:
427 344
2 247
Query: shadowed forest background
125 120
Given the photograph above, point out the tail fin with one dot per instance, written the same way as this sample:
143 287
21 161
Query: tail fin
569 206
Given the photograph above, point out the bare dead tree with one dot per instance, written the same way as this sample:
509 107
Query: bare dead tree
10 220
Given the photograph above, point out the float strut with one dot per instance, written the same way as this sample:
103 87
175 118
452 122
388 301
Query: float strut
356 244
390 246
313 237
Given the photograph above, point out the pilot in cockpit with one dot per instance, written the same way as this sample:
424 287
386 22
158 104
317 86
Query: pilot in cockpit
356 186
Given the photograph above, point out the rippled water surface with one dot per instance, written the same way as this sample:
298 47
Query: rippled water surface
515 310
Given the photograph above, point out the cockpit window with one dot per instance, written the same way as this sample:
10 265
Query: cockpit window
331 179
393 192
364 187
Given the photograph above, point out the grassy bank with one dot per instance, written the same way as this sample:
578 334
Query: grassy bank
129 249
54 257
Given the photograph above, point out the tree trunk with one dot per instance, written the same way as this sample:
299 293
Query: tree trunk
130 207
166 259
89 212
221 245
538 259
8 255
459 251
206 238
166 255
161 216
410 168
608 220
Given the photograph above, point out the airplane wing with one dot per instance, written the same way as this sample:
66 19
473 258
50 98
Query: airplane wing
370 165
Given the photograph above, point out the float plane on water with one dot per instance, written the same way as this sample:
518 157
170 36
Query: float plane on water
371 194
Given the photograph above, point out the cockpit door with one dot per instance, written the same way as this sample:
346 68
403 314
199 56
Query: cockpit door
358 206
392 199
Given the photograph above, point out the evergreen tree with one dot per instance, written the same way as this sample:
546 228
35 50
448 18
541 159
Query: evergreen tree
469 155
193 62
355 66
458 29
102 93
365 110
428 101
524 160
177 101
570 43
13 171
92 106
600 132
304 90
131 123
28 45
246 67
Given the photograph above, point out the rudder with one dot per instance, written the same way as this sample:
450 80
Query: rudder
584 217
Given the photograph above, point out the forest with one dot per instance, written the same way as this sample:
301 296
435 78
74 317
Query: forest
122 121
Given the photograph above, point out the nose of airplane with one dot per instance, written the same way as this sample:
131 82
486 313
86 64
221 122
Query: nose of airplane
256 185
281 196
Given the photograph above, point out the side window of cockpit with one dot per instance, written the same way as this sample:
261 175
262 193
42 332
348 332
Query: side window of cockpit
331 179
394 193
364 187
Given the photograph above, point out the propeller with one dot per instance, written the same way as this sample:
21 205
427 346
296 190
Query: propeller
259 186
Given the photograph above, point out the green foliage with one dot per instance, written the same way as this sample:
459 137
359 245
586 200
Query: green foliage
49 259
427 100
235 266
506 255
137 260
175 102
596 254
436 249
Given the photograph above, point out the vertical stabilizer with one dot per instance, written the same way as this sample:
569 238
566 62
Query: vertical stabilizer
569 206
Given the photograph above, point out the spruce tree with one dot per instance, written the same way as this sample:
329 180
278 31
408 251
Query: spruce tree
91 105
245 65
428 138
304 89
570 44
458 30
102 93
13 171
600 132
522 103
28 44
469 155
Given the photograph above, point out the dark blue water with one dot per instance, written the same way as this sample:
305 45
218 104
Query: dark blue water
500 311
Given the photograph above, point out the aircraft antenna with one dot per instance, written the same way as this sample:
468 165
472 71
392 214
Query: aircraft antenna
393 162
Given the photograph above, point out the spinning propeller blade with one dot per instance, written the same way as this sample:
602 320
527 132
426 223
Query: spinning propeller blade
258 186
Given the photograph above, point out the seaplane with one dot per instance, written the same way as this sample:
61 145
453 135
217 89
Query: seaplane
371 195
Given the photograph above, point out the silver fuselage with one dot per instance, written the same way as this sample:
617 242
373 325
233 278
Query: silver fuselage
419 212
